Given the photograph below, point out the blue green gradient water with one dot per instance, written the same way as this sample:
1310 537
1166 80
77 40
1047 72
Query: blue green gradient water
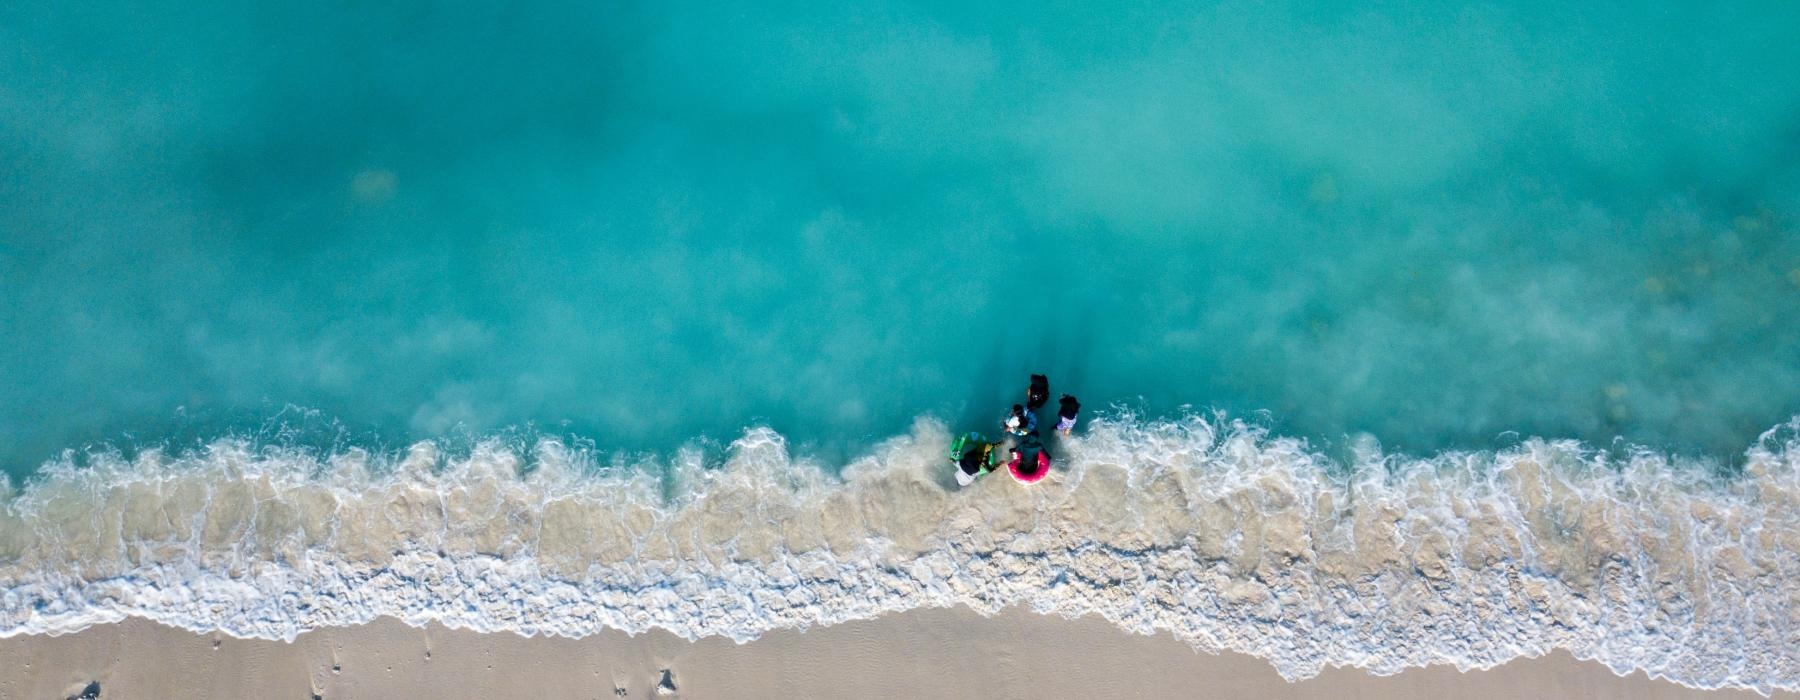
641 223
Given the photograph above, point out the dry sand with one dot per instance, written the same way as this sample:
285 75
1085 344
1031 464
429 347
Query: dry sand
924 653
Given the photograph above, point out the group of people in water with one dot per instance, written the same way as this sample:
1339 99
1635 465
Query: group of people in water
1021 449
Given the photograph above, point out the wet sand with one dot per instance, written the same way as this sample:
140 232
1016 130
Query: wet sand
922 653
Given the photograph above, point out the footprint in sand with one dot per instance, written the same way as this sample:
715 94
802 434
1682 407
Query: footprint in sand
666 686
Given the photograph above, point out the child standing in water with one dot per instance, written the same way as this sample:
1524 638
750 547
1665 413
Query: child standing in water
1019 421
1065 416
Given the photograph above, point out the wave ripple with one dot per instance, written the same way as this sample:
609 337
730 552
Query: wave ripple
1214 530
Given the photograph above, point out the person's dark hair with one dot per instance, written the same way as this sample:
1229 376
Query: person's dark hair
1070 407
1028 461
1039 391
971 461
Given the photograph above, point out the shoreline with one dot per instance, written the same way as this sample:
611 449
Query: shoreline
954 652
1221 534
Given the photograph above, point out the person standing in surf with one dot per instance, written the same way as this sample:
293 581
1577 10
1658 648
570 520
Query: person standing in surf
1030 462
1068 409
1023 418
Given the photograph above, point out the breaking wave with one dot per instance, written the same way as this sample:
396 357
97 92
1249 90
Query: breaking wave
1212 529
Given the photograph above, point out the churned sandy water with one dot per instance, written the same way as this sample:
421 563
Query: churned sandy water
1216 532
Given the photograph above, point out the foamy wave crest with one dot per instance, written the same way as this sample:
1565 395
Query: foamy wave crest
1211 529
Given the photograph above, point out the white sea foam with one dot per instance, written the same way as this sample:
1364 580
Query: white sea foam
1211 529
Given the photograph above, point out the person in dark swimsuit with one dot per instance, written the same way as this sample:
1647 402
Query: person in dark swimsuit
1038 394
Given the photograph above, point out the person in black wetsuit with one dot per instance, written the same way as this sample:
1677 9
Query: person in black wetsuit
974 462
1030 461
1038 394
973 456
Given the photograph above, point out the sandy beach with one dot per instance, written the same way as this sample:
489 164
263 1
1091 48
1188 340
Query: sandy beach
925 653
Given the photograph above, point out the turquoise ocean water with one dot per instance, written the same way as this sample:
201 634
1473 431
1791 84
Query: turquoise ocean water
326 241
645 223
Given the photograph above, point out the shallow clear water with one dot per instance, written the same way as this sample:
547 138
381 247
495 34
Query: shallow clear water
641 224
556 317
